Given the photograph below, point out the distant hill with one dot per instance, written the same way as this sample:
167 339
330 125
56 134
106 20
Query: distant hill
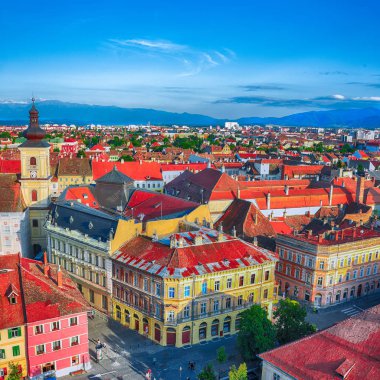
53 111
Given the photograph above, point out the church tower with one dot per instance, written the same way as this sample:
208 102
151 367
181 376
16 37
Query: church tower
35 177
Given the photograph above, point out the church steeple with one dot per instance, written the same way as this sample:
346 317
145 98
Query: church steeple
34 132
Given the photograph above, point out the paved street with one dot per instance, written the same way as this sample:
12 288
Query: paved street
129 355
328 317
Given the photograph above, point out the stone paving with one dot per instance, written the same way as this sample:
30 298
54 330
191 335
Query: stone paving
129 355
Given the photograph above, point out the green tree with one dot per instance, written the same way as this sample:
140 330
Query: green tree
81 153
290 321
339 164
207 373
56 150
221 355
257 333
238 373
14 372
126 158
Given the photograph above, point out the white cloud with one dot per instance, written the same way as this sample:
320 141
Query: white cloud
339 97
192 60
368 98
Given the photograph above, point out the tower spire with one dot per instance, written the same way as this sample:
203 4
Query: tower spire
34 132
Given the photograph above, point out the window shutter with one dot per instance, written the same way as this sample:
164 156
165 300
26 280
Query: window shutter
19 331
5 370
9 333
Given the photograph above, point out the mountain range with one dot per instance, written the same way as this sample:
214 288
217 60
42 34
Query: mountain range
53 111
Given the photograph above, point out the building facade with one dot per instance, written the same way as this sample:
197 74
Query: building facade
191 287
332 267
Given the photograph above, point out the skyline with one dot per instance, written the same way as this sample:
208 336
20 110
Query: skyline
229 61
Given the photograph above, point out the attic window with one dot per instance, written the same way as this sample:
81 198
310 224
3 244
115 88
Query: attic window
85 196
13 300
71 220
90 225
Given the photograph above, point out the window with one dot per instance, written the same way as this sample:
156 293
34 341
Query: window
228 302
216 305
355 274
92 296
240 300
56 345
186 311
229 283
348 276
2 354
266 276
203 308
363 258
308 278
75 360
12 333
368 271
35 222
171 293
341 263
216 286
361 272
289 255
186 292
104 302
34 195
265 294
204 287
74 341
375 269
349 261
340 278
135 280
298 258
73 321
170 316
250 297
40 349
55 326
297 273
38 329
33 161
16 350
241 280
288 271
321 265
320 281
146 284
158 289
276 376
253 278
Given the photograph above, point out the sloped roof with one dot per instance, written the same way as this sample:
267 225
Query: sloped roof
11 199
182 261
41 293
10 166
73 166
10 315
352 344
114 176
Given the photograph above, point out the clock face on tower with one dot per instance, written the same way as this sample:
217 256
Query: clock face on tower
33 174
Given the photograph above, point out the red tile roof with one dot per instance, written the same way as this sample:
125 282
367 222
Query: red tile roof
81 194
138 171
10 166
10 315
350 348
168 258
41 293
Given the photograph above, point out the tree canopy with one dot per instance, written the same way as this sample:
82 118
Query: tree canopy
207 373
239 373
256 334
290 321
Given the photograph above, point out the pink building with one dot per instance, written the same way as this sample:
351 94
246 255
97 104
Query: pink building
69 146
56 321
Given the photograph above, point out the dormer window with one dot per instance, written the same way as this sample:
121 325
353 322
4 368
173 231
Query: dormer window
13 300
12 294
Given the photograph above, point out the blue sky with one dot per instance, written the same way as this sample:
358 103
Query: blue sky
220 58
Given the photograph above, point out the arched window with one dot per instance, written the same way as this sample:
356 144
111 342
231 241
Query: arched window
33 161
34 195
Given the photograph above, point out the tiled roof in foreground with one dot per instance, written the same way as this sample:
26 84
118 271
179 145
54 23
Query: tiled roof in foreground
349 350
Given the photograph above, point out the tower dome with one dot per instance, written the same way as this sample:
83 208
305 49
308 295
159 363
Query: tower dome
34 131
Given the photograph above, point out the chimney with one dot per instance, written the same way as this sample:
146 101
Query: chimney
307 214
360 190
198 240
342 234
286 188
45 258
354 233
46 266
320 238
309 233
331 194
238 192
268 201
284 213
255 243
220 234
336 235
59 277
234 231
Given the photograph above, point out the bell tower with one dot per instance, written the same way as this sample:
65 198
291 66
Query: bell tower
35 177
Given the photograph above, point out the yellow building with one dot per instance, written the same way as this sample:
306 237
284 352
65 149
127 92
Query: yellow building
88 223
35 178
12 331
191 286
